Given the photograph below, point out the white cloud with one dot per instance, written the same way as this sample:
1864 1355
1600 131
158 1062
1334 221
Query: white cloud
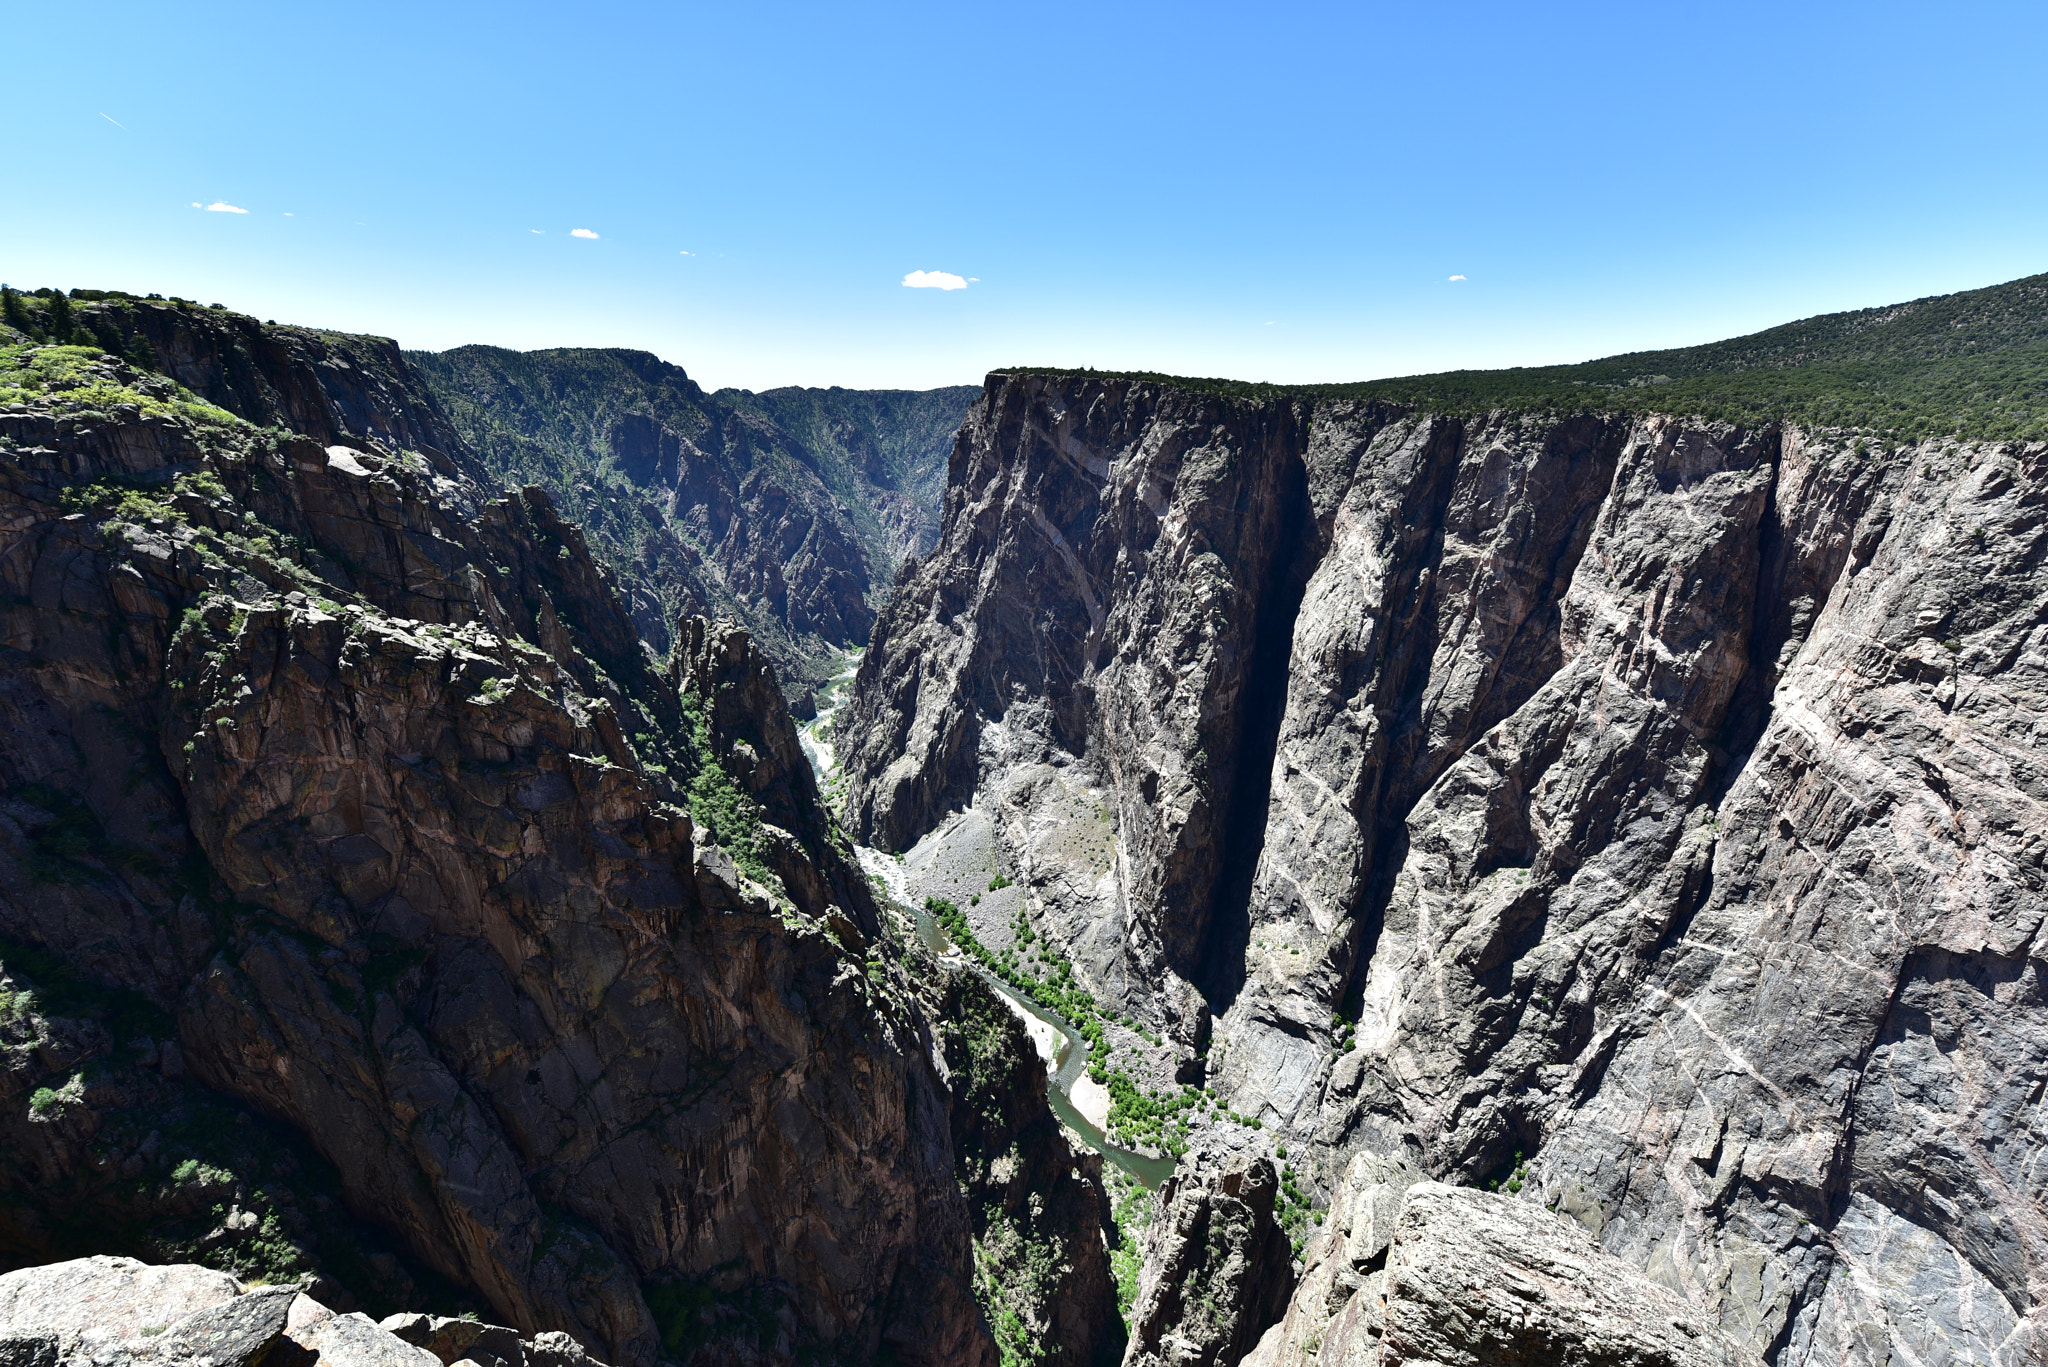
197 205
974 280
221 206
1455 277
289 214
686 253
933 280
542 231
582 232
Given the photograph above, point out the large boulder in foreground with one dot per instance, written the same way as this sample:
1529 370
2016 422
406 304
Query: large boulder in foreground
117 1312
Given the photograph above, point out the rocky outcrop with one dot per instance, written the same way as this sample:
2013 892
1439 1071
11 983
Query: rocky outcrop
327 386
1216 1267
359 775
1412 1271
1646 798
116 1312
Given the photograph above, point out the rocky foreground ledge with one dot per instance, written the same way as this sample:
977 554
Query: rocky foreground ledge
113 1312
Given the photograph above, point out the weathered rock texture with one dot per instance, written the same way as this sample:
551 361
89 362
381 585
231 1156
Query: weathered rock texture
1656 799
1216 1267
788 510
362 776
117 1312
1412 1271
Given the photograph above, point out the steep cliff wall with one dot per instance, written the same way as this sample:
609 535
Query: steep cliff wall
359 780
1637 811
788 510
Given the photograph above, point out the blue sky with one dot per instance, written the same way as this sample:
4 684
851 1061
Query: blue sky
1279 192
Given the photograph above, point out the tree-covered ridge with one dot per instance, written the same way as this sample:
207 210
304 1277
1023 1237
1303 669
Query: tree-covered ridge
1972 365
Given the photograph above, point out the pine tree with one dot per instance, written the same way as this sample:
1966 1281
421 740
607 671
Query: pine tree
12 309
60 316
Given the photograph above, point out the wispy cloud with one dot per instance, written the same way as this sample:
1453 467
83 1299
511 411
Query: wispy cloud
1455 278
933 280
686 253
114 121
583 232
221 206
542 231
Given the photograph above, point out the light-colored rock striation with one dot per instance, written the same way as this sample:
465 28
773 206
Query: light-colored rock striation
1416 1272
1655 800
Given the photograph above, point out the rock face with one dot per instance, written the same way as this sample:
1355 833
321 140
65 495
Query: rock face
1038 1206
360 776
1650 798
1413 1271
788 510
1216 1267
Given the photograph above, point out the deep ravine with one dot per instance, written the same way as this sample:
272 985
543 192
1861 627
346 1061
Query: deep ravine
1648 833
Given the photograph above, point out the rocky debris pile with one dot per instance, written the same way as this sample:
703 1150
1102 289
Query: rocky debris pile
1409 1271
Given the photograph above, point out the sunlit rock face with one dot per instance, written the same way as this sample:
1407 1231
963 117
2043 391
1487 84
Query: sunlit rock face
1636 812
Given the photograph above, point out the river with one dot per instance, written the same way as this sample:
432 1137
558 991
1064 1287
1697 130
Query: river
1070 1058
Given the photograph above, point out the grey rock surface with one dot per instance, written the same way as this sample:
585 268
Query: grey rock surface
1481 1280
1216 1268
243 1332
103 1302
1658 801
355 1340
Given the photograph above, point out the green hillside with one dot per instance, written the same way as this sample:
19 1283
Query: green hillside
1971 365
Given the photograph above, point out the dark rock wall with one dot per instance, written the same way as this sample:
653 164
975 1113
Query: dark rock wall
360 775
1629 783
787 510
1037 1203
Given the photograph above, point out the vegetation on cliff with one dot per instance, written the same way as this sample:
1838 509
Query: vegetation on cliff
1971 366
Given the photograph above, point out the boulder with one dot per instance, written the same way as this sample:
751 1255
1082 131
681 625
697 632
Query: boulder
243 1332
356 1340
98 1304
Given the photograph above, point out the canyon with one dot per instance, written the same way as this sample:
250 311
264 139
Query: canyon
1403 873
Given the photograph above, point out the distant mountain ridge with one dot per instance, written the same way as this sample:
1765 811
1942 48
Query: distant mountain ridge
788 510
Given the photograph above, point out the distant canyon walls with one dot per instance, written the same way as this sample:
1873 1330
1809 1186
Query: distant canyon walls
787 510
1657 800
